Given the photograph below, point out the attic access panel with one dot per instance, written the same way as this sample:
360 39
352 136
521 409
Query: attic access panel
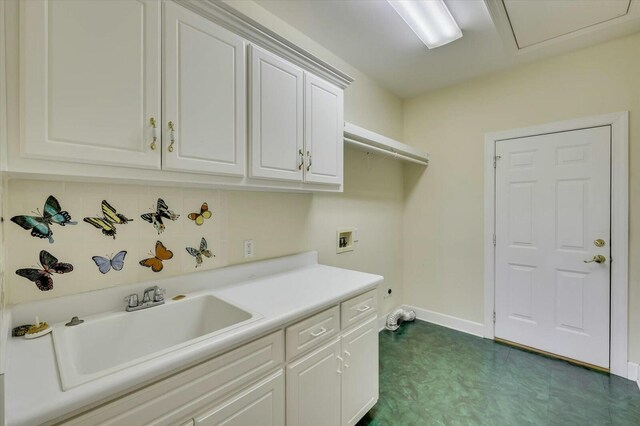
534 22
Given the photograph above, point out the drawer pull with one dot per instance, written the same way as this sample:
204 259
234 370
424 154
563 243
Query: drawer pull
319 333
364 308
347 353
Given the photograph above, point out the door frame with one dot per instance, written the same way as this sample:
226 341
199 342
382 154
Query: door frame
619 122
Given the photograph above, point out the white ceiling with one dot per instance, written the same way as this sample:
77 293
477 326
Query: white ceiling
372 37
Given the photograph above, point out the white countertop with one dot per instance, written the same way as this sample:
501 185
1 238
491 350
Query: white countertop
295 287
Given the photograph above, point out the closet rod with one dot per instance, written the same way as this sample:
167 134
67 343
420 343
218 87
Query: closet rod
393 154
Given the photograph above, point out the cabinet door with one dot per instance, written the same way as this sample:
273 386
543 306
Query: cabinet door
276 117
91 80
313 388
324 131
260 404
204 95
360 372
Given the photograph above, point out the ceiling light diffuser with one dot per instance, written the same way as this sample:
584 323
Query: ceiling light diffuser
429 19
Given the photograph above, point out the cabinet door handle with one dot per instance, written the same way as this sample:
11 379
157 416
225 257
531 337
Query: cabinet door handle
364 308
152 121
309 165
347 353
172 136
301 159
319 333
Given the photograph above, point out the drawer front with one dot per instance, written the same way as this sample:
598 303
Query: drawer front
358 308
172 400
311 332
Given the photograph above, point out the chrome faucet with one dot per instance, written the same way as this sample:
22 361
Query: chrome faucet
152 296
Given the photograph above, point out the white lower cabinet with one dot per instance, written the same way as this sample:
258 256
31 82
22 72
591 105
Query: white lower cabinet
337 383
329 377
313 388
360 372
260 404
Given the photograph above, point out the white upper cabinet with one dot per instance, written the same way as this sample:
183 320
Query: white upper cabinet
155 91
204 95
276 117
324 128
90 73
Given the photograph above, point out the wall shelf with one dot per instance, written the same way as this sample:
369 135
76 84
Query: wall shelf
366 140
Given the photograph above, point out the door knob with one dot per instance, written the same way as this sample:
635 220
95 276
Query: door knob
598 258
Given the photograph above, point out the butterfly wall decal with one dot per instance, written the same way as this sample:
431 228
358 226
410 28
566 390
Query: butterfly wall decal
155 263
155 218
199 253
105 264
40 224
199 218
107 223
42 277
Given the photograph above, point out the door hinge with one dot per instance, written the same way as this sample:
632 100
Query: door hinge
494 239
494 317
495 160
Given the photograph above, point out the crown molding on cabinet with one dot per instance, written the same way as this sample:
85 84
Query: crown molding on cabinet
237 22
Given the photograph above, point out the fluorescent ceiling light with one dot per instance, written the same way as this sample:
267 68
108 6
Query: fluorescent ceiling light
429 19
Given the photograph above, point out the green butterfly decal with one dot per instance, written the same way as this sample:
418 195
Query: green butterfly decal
40 225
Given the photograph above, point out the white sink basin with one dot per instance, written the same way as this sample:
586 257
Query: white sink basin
107 343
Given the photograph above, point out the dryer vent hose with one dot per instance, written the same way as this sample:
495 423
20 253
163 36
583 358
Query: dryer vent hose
397 316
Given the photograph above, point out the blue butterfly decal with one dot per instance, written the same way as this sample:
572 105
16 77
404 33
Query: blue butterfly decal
40 225
105 264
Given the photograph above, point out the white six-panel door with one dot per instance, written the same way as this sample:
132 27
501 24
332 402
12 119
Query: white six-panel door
276 139
90 72
204 95
552 204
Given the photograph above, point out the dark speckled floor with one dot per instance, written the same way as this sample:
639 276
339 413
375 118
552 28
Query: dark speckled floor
431 375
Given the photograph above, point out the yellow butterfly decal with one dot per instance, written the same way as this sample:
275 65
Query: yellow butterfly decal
200 217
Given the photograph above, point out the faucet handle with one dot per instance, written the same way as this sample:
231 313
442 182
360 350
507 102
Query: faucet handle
158 295
132 300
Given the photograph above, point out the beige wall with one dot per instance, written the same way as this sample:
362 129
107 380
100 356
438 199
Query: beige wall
279 223
443 220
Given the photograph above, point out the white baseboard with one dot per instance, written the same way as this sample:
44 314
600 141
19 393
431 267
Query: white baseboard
459 324
633 372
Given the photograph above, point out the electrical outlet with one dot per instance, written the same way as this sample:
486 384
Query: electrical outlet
248 248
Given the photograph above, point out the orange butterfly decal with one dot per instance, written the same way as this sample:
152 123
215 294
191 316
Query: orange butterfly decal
200 217
155 263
